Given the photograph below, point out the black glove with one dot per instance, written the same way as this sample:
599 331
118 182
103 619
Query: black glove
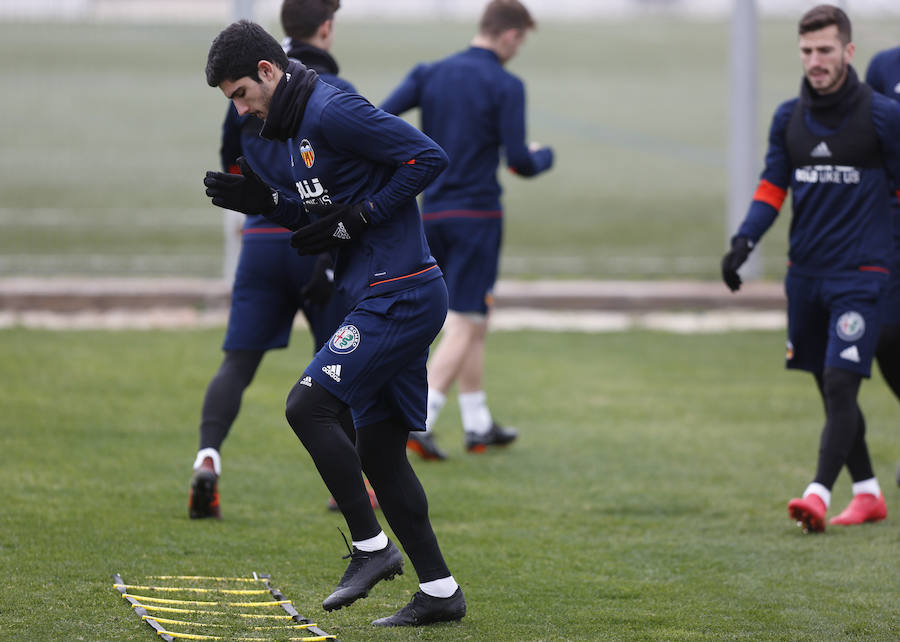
339 225
245 192
321 282
733 259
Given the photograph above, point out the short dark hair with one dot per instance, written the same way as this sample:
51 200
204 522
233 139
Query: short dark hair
500 15
825 15
237 50
301 18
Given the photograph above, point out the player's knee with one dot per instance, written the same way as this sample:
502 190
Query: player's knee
309 404
840 385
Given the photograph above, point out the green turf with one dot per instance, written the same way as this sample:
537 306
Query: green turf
107 131
645 499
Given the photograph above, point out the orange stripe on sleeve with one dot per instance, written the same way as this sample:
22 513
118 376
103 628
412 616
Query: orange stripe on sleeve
770 194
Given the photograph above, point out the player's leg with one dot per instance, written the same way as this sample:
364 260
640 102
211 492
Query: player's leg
221 405
382 448
888 356
260 319
315 416
807 337
853 336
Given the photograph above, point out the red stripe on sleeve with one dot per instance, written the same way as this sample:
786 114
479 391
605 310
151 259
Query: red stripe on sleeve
770 194
410 162
898 195
234 169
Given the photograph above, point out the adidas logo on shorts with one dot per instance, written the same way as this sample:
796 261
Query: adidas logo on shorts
306 381
333 371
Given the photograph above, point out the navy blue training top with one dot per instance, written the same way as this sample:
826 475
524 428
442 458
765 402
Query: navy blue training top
841 216
347 151
471 106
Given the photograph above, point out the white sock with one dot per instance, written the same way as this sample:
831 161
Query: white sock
475 414
213 454
444 587
869 486
436 401
373 543
818 489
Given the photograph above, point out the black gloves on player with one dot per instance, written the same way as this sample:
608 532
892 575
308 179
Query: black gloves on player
733 259
338 225
245 192
320 285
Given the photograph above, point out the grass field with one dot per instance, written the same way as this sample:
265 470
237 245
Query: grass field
107 131
645 499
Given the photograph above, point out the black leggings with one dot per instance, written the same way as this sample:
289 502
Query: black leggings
380 451
843 438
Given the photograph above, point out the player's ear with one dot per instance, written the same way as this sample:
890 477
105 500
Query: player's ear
265 69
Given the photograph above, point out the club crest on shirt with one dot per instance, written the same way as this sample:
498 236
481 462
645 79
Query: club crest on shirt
306 151
345 340
850 326
789 351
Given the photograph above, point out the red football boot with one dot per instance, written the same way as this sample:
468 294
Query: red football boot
864 507
808 512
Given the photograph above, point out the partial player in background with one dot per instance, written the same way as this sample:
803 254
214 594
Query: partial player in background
883 75
473 108
837 147
272 281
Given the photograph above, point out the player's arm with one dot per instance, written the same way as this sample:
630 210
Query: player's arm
407 94
767 200
355 127
774 180
521 158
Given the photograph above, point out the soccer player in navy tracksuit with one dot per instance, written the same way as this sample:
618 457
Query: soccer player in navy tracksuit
357 172
472 107
837 147
272 281
883 75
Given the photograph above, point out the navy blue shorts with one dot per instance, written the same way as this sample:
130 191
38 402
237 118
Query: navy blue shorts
375 361
833 321
266 296
468 253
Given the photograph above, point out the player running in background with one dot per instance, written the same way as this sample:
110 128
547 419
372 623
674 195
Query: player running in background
472 107
883 75
837 147
357 170
272 281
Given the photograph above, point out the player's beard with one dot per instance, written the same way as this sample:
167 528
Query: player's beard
840 75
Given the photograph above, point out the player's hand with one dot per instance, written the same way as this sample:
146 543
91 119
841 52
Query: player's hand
320 285
245 192
733 259
338 225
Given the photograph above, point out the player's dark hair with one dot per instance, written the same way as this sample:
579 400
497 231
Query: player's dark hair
500 15
237 50
301 18
825 15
